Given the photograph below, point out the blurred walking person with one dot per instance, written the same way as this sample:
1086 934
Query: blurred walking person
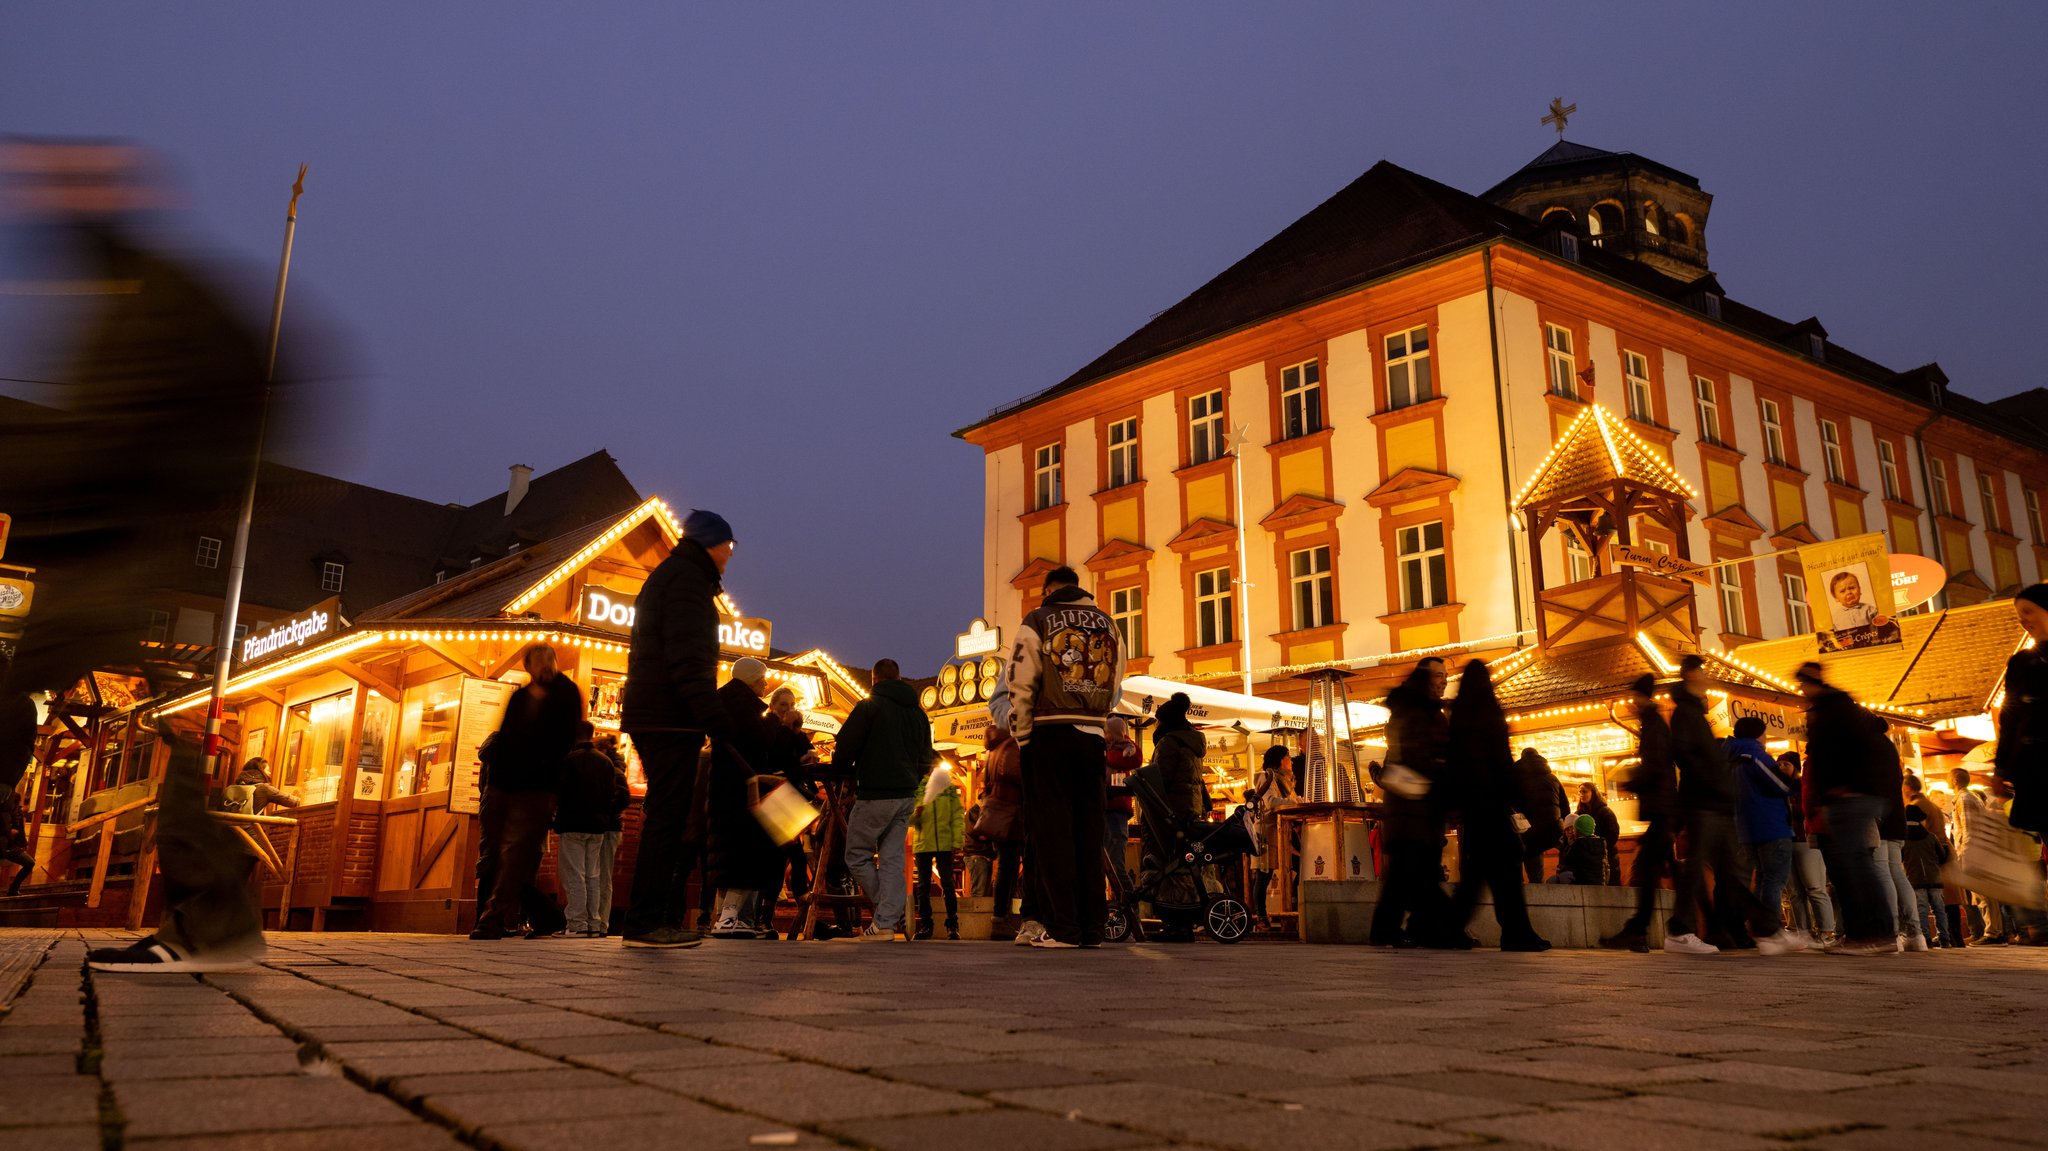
1655 786
540 727
1413 910
162 417
1483 773
2022 753
1541 801
1813 909
1846 782
670 707
1763 815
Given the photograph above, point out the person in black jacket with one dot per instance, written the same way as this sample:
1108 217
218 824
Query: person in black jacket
14 840
742 855
1731 916
1412 908
1489 851
1606 826
592 795
540 728
669 707
1655 786
1845 778
1541 800
2022 753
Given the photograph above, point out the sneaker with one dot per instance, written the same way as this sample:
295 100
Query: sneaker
1898 943
1916 943
924 931
952 933
1689 945
487 933
152 954
1635 941
1030 933
1785 942
1883 945
1535 943
871 934
730 927
1046 941
665 937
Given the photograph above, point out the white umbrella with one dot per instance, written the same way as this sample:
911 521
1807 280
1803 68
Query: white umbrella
1143 694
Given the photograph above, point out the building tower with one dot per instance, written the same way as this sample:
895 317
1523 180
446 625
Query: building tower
1622 202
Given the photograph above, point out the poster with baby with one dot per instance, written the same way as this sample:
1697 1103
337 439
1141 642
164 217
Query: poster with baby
1849 591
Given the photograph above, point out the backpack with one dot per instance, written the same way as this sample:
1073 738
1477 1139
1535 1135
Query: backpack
238 799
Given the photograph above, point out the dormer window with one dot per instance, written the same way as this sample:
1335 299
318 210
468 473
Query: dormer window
1816 345
1710 303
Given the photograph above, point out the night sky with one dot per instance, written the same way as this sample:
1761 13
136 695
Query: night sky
771 256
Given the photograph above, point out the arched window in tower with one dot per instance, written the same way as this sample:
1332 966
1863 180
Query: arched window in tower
1653 221
1558 216
1681 230
1604 221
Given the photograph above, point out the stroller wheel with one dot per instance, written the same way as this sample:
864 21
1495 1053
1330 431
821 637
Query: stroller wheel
1116 926
1228 920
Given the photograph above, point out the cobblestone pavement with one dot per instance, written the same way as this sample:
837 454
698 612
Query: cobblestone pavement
373 1042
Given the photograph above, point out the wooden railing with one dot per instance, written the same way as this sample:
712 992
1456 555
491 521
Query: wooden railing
251 829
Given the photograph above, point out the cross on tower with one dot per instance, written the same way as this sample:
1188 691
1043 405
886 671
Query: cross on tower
1559 112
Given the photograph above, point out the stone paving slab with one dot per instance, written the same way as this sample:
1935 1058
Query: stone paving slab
366 1042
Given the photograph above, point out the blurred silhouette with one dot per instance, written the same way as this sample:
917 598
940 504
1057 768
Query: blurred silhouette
160 414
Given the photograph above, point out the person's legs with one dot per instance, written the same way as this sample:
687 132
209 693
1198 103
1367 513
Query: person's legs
490 830
1088 783
894 845
1653 859
1853 848
1510 904
1737 909
1003 884
601 891
26 863
1116 836
1810 873
866 824
1691 908
1049 819
922 865
574 862
208 908
519 851
1905 905
660 897
1405 862
1773 868
944 862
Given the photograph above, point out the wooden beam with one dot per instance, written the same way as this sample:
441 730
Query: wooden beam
461 662
432 855
368 678
507 662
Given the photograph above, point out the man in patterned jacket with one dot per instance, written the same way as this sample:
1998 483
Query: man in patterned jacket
1066 672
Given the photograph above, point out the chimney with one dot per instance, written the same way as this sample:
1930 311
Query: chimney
517 491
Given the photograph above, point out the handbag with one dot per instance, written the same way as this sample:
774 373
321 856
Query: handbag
784 813
1405 782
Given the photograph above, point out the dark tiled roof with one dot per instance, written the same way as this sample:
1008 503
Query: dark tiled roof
1565 159
1949 664
1582 673
555 502
483 592
1390 219
1387 219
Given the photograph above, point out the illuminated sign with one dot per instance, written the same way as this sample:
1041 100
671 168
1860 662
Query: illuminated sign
1663 563
16 595
978 639
613 610
1915 580
295 634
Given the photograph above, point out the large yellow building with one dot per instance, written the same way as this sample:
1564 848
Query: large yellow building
1401 360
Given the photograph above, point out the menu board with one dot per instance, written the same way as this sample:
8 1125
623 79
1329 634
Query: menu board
483 705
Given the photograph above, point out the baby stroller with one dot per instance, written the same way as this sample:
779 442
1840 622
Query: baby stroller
1178 871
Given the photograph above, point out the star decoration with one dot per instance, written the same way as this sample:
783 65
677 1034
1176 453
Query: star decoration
1237 437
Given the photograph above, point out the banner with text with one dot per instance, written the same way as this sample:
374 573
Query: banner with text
1662 563
1849 591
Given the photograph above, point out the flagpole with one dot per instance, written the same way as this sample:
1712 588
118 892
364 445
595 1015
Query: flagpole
1236 441
239 558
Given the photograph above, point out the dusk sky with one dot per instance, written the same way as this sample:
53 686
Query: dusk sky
771 256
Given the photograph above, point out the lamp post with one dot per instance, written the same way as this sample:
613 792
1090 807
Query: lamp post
1235 441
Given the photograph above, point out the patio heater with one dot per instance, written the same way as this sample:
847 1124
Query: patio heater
1330 758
